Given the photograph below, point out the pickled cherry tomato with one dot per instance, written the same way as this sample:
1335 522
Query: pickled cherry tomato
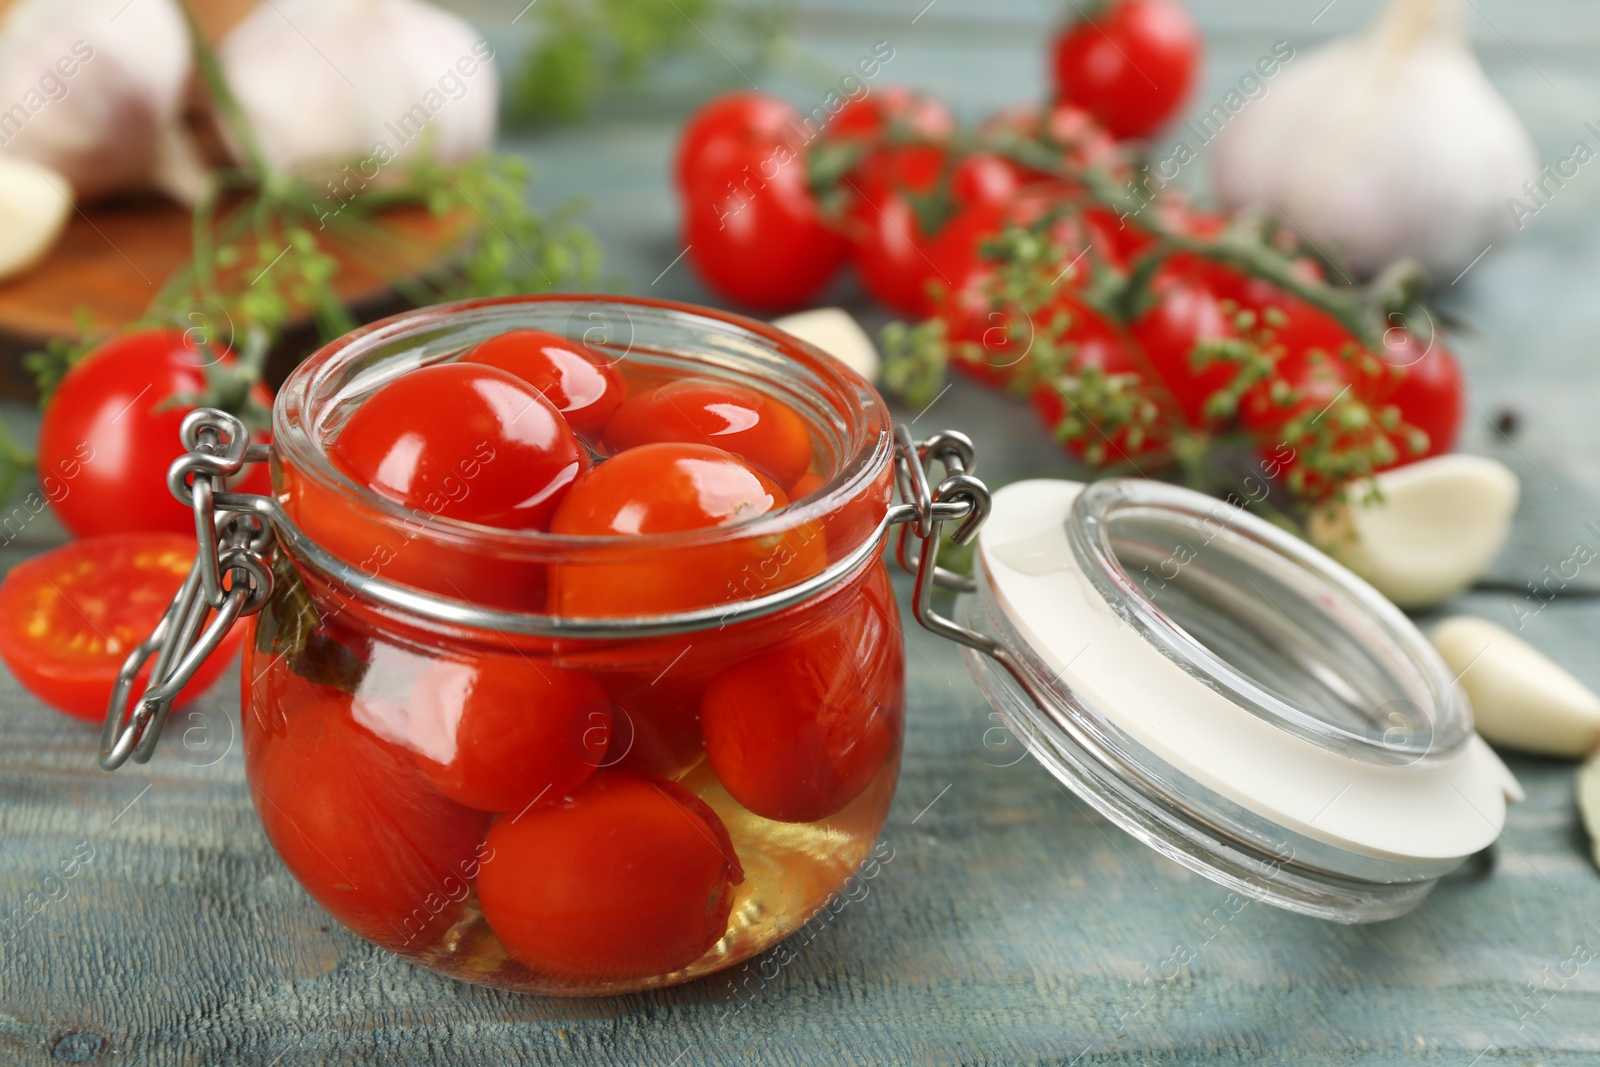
502 731
359 825
630 876
655 721
469 442
662 488
764 432
584 388
798 733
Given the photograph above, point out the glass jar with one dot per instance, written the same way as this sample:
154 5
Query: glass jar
467 771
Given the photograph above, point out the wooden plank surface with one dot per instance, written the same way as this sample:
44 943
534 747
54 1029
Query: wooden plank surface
1012 926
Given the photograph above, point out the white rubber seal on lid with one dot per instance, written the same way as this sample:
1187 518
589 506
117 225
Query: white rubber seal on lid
1367 795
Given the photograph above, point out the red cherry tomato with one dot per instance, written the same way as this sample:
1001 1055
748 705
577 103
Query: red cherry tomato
655 721
357 823
574 378
500 732
1131 66
110 432
1079 141
755 232
627 877
69 617
1427 387
1187 310
799 732
892 109
659 488
1100 344
722 127
465 441
762 431
904 192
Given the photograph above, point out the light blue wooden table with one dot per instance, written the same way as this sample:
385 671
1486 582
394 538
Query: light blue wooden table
1011 926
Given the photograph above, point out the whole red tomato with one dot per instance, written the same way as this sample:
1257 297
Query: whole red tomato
754 230
1186 311
763 431
501 731
573 377
462 440
672 487
358 824
110 432
1071 133
627 876
1100 344
722 128
1131 65
905 197
892 109
797 733
70 616
1427 387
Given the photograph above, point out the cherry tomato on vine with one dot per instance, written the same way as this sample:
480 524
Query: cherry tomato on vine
754 230
501 731
1131 65
1185 312
1099 344
465 441
1427 386
906 198
892 109
69 617
628 875
670 487
110 432
763 431
797 733
359 825
1070 133
722 128
573 377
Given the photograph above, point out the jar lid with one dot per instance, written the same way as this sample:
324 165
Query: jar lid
1230 696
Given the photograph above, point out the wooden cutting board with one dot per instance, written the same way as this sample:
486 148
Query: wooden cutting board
114 257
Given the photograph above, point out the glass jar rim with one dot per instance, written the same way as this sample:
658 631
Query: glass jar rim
299 414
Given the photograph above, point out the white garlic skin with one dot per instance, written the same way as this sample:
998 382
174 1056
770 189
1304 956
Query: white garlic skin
324 83
836 332
35 204
1520 698
1388 145
99 126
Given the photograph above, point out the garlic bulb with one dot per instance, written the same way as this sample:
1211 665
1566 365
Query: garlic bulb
325 83
1387 145
35 203
90 88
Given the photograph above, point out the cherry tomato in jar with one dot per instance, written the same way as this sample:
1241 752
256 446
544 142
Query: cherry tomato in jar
754 230
465 441
906 195
892 109
656 719
667 487
499 732
763 431
69 617
576 380
723 127
359 825
628 876
797 733
1131 65
110 431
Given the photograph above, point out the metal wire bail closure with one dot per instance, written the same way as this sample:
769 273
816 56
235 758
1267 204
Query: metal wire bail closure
231 578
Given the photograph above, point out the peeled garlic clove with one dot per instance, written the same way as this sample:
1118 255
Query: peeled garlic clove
326 83
35 203
837 333
1435 526
1588 790
1520 699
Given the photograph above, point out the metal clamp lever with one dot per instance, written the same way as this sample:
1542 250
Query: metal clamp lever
231 578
